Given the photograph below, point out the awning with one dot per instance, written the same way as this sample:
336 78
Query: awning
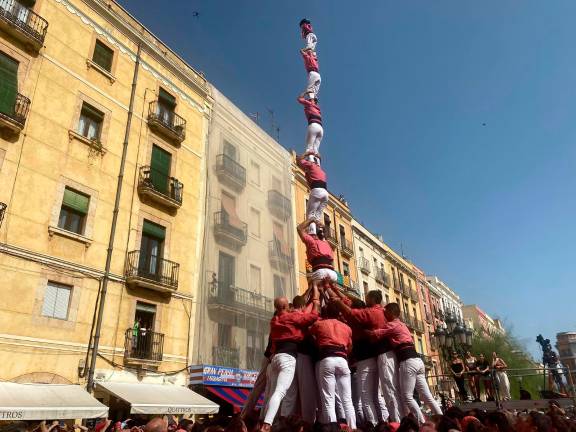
160 399
235 396
47 402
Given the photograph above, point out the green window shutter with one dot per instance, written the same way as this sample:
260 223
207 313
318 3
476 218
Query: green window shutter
8 84
340 280
103 56
76 200
154 230
166 98
160 168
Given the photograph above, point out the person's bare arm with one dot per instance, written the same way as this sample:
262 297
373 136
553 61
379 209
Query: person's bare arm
302 228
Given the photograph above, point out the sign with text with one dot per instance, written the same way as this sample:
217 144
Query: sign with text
222 376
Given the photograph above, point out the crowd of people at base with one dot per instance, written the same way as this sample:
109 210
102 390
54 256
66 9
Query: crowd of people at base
554 419
475 371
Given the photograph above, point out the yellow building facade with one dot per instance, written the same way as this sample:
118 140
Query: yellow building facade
381 268
79 71
338 222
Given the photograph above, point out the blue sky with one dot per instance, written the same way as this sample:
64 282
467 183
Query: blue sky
449 127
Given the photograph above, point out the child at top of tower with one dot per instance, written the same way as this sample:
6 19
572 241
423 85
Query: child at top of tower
308 35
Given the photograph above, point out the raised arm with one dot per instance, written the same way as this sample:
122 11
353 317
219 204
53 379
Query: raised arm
314 304
302 228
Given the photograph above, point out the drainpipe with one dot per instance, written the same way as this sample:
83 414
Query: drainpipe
90 383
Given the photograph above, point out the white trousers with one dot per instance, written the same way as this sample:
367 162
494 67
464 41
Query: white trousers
289 405
333 372
306 387
259 387
282 369
323 273
313 86
314 134
356 391
367 372
503 385
412 376
317 202
311 41
388 374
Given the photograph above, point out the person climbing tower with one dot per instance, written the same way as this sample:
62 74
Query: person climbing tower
308 35
312 68
315 130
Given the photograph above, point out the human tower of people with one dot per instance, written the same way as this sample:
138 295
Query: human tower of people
317 338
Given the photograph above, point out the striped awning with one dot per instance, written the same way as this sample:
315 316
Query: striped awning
235 396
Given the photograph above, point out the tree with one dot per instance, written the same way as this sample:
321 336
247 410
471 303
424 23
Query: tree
515 356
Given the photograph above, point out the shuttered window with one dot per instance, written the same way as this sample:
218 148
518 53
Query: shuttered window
8 84
56 300
90 122
160 169
154 230
103 56
73 211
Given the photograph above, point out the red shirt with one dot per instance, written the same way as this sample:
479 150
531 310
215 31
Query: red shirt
318 251
311 110
332 333
396 332
368 318
289 326
313 172
310 61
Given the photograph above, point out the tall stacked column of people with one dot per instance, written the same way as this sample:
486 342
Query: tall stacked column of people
330 357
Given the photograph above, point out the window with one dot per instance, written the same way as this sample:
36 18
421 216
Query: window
103 56
365 284
342 234
279 286
255 279
387 298
420 346
406 310
254 348
224 335
254 222
90 123
73 211
276 184
230 150
151 249
414 312
160 164
255 173
345 268
361 251
8 84
56 300
166 106
226 273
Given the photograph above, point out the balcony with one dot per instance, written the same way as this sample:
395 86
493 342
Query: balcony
144 347
230 172
279 205
414 295
331 237
229 234
2 212
152 272
23 24
15 119
280 255
364 265
166 122
346 247
418 325
350 285
397 286
237 300
160 188
405 290
224 356
382 277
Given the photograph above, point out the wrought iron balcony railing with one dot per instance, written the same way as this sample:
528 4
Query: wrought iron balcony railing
152 272
160 187
241 300
382 277
396 285
15 118
225 356
279 205
346 246
166 122
413 294
231 234
230 172
330 234
280 255
364 265
405 290
23 23
3 208
143 345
